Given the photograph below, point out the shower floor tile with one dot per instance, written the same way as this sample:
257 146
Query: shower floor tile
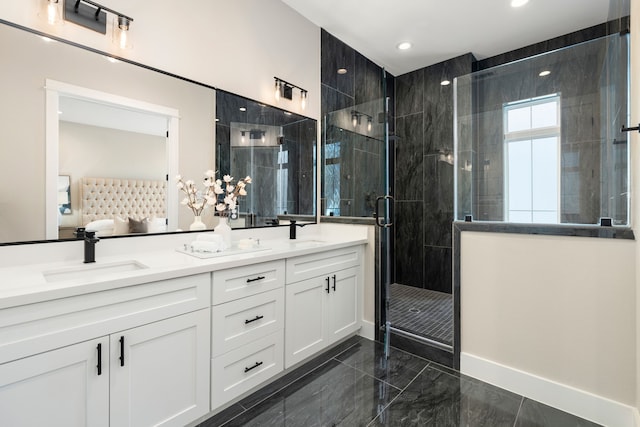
422 312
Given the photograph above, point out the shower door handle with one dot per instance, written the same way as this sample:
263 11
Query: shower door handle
383 222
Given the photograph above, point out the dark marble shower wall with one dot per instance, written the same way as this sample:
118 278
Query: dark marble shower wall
423 178
361 156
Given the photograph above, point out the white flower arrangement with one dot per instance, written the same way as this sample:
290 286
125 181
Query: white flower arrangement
220 193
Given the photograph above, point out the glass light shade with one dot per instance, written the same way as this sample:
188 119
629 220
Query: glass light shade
121 32
54 12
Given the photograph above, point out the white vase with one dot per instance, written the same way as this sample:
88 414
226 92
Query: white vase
197 224
224 230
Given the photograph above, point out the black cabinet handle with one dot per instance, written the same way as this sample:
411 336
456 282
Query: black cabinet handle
327 289
99 359
252 367
334 283
246 322
254 279
122 350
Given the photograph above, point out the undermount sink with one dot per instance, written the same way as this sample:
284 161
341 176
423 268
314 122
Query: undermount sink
90 271
306 243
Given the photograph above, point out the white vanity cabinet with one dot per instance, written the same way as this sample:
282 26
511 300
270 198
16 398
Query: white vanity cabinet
146 362
322 301
247 327
58 387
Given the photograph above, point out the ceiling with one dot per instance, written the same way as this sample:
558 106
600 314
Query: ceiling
440 30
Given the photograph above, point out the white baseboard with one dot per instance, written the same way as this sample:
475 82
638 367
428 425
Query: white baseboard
368 330
569 399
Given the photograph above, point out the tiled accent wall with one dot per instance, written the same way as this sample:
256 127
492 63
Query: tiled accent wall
359 178
423 182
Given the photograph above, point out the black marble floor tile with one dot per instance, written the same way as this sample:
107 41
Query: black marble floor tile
298 372
536 414
436 398
368 357
222 417
332 395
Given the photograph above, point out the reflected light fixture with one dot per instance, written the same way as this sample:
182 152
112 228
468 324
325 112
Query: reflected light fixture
544 73
93 16
242 137
445 83
342 71
356 119
284 89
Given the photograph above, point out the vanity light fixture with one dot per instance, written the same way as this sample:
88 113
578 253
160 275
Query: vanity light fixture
93 16
284 90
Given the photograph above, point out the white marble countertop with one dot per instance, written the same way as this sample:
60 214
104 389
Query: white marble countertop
26 284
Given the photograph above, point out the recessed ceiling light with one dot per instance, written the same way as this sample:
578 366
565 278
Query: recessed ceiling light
243 109
342 71
544 73
404 45
445 83
518 3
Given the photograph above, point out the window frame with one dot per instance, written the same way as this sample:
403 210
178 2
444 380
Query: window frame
532 134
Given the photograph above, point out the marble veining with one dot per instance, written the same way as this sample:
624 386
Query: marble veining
351 386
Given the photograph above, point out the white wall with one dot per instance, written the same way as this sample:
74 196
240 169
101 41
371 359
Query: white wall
238 46
560 308
91 151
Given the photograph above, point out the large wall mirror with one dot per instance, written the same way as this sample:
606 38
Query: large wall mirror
120 132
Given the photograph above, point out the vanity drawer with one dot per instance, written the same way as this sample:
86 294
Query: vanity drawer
314 265
243 321
244 368
235 283
43 326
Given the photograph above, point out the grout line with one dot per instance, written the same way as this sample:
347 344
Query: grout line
399 394
518 413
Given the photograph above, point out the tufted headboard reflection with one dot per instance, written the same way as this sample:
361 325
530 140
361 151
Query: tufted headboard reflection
106 198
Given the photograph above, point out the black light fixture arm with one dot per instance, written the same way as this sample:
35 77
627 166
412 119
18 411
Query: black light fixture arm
279 80
626 129
101 7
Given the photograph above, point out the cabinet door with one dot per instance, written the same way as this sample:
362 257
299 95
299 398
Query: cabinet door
57 388
160 372
343 317
305 324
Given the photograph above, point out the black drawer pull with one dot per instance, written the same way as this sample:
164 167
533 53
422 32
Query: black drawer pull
327 289
334 283
254 279
99 366
246 322
252 367
122 350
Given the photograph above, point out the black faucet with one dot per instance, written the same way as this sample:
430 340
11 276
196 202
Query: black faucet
90 241
292 228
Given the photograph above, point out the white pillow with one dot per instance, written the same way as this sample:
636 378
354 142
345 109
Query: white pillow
102 227
157 225
121 226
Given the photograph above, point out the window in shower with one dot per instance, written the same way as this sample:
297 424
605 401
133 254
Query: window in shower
532 135
539 140
332 178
